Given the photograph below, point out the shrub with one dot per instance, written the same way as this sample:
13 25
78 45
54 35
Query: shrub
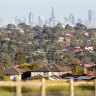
5 78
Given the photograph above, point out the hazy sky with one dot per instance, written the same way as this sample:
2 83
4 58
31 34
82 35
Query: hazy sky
11 8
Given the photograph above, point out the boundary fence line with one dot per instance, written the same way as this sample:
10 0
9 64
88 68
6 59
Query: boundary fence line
18 84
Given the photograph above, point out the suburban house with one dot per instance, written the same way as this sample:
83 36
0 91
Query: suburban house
78 49
12 72
61 39
89 48
85 33
59 51
86 66
49 70
91 71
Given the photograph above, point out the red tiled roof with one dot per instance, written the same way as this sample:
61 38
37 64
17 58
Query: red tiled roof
78 49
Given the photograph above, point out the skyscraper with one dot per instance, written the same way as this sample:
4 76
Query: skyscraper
16 20
90 13
52 18
40 20
53 12
91 18
31 19
71 19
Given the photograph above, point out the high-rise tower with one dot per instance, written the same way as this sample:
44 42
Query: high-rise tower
90 15
71 19
53 12
91 18
31 18
52 18
16 20
40 20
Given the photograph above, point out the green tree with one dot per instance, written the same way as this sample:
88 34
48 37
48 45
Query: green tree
77 70
5 60
22 25
11 26
20 57
4 48
33 65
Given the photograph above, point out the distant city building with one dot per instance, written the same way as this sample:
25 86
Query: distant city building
19 21
80 21
86 22
65 21
52 18
46 23
90 15
91 18
24 20
40 20
90 21
71 19
31 18
16 20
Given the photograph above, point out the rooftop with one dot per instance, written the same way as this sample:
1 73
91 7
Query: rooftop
12 71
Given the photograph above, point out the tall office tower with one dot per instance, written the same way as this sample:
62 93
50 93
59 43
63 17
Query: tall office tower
46 23
71 19
90 15
19 21
86 22
16 20
52 18
31 18
65 21
40 20
91 18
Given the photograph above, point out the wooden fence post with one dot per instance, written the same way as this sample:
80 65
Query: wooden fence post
18 78
18 87
95 86
43 91
71 81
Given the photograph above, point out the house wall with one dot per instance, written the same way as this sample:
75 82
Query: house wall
89 48
45 74
91 72
48 74
62 73
85 71
13 77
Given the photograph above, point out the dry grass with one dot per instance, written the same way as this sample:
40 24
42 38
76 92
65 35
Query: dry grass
63 82
56 86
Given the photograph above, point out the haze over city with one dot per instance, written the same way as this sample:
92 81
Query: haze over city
62 8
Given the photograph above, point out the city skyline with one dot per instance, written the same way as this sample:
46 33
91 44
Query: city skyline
62 9
90 21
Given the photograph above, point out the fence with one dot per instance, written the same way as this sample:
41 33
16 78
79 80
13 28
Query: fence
18 84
